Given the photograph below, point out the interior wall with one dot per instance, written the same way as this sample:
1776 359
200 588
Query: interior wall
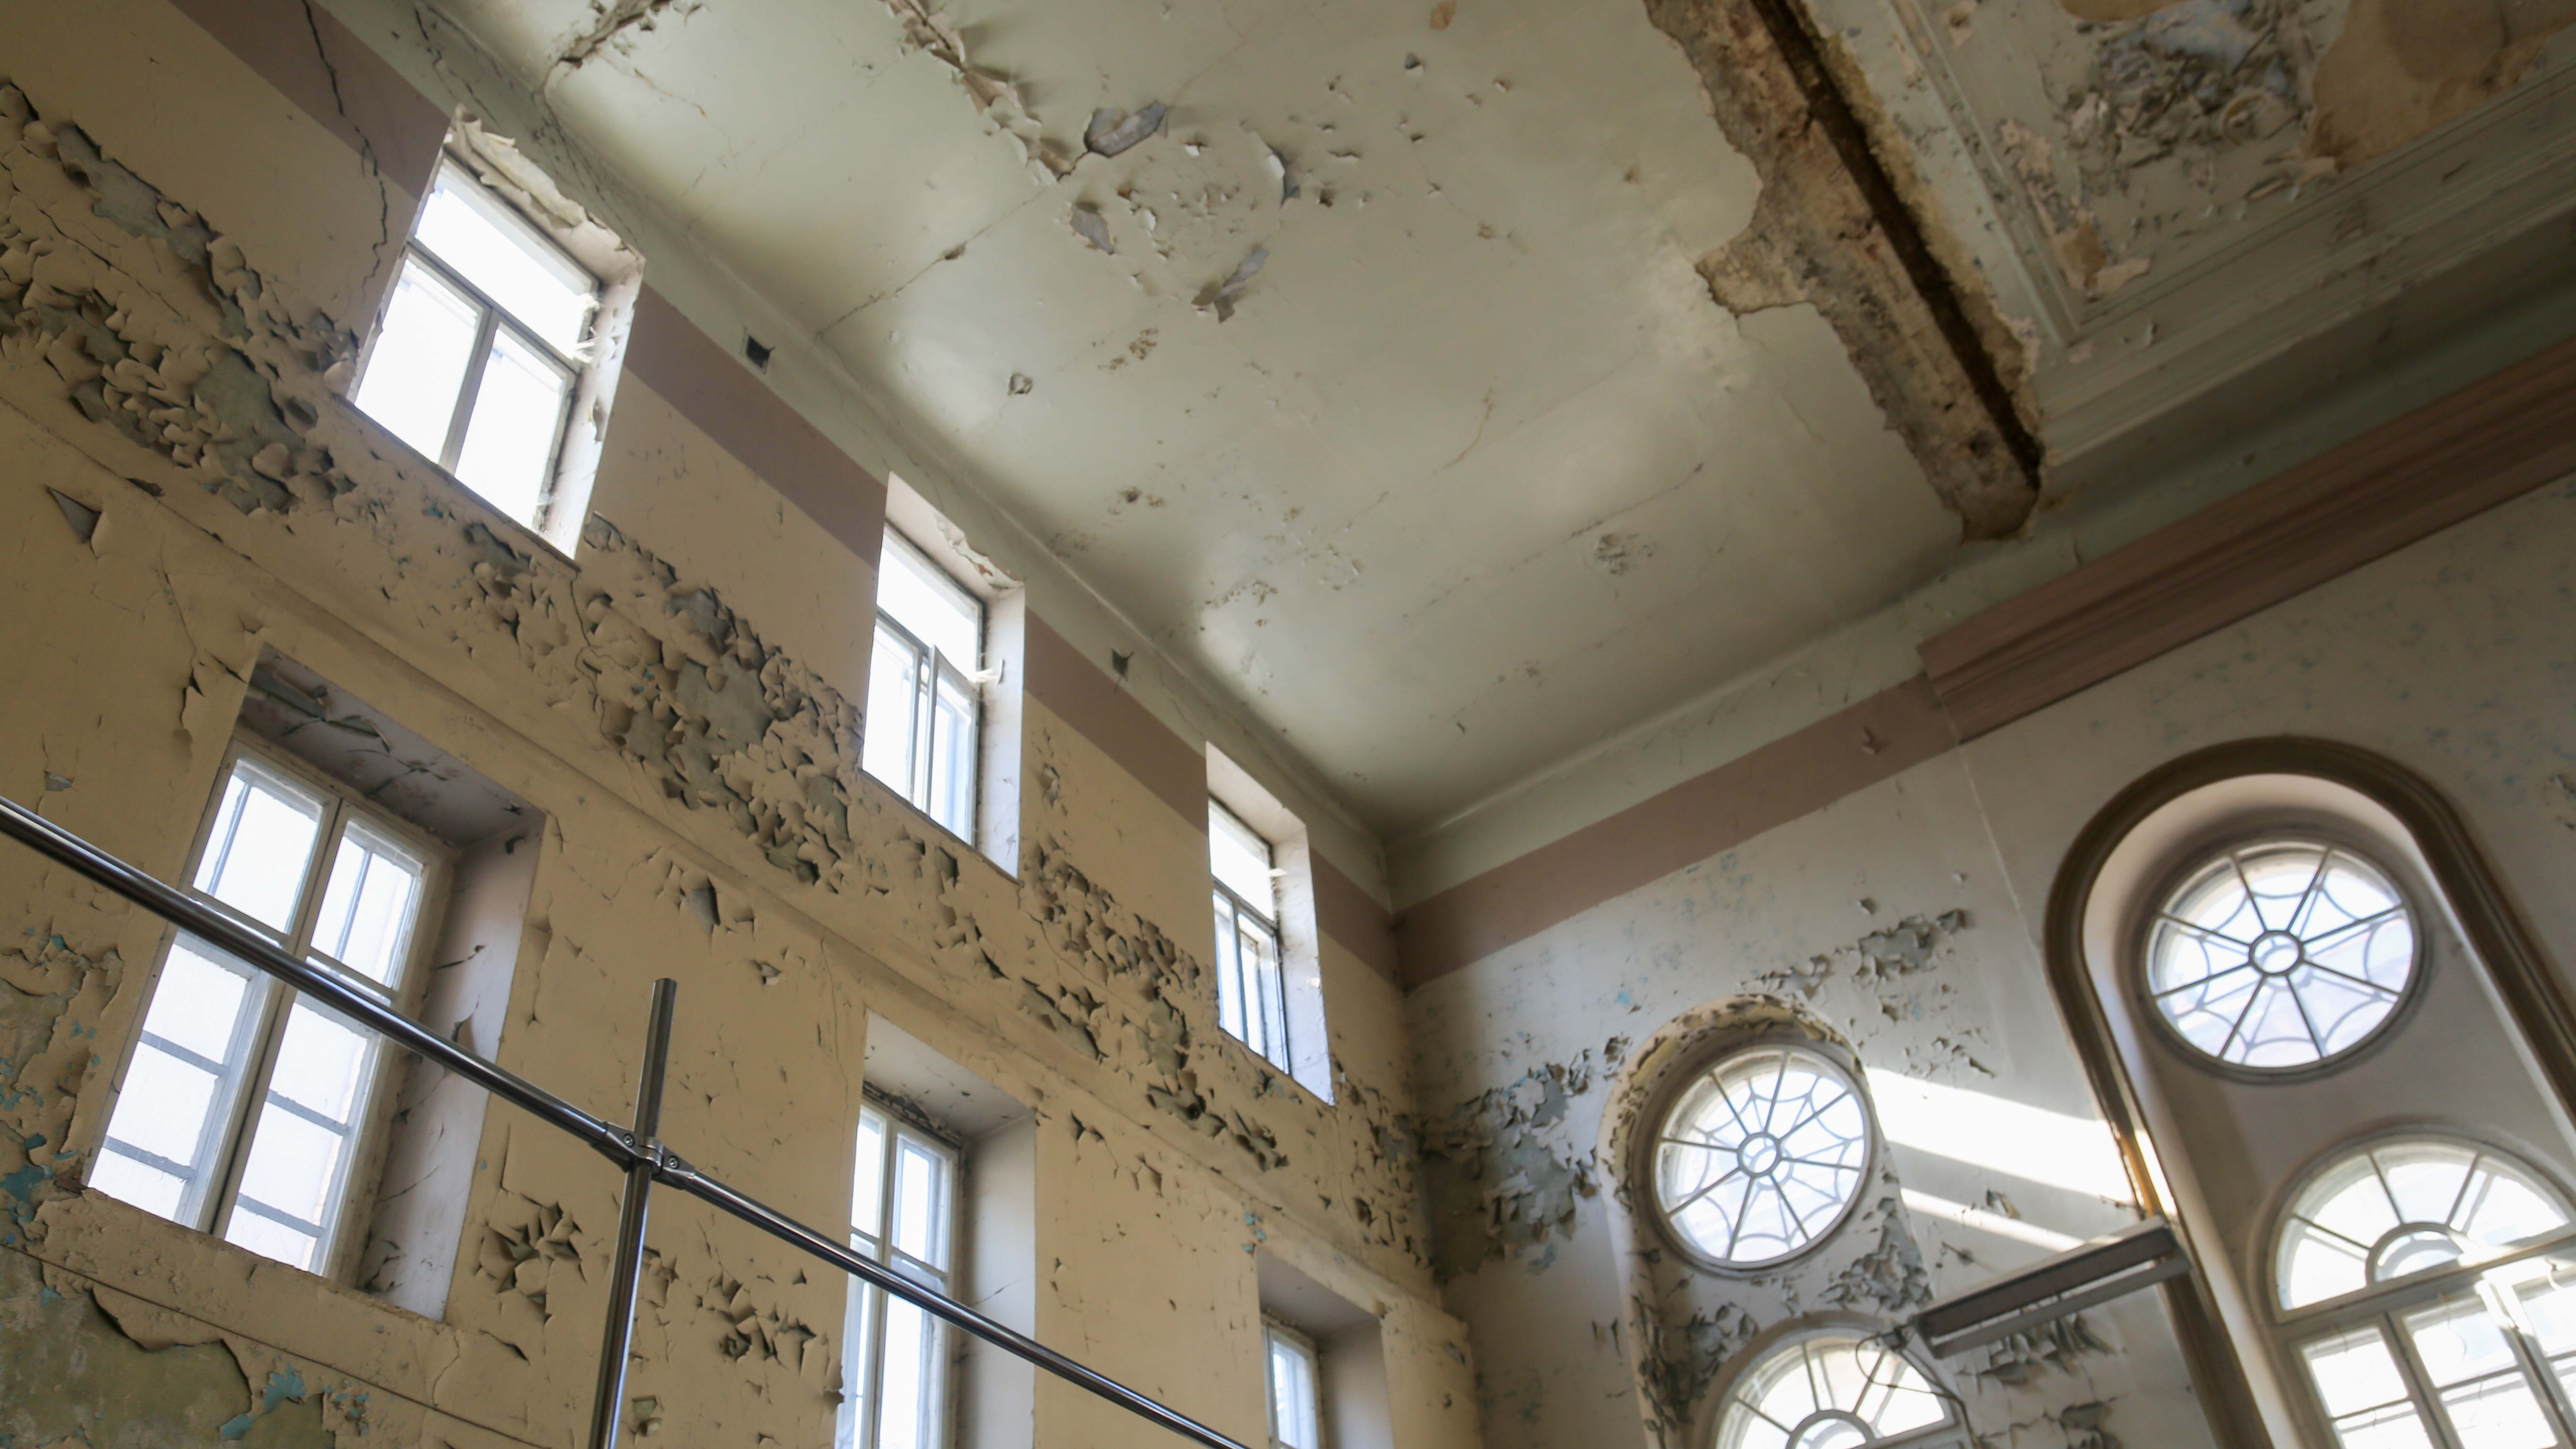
681 699
1905 916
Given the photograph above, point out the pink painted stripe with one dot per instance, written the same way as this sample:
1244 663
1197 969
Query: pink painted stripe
334 77
729 404
1794 776
1086 696
1353 917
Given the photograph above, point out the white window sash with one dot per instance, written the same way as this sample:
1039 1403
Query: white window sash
931 740
861 1426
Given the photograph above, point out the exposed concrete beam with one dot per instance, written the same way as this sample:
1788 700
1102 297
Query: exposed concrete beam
1834 228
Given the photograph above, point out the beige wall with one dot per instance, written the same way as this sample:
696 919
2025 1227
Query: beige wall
1163 1152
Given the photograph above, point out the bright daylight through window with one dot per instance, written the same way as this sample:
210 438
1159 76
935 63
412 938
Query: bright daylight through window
483 338
1762 1155
925 699
1832 1390
1296 1390
902 1213
2281 955
1252 983
242 1107
2421 1272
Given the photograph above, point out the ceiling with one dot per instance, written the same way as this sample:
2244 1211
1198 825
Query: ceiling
1379 384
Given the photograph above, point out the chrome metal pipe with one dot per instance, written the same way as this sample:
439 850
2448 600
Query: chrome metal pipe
627 1273
634 1153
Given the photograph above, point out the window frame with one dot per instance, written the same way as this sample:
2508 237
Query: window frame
2197 857
271 1007
858 1424
1274 1334
1951 1433
1706 1061
493 318
931 669
2384 1306
1231 911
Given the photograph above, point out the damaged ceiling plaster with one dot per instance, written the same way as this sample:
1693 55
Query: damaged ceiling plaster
1502 373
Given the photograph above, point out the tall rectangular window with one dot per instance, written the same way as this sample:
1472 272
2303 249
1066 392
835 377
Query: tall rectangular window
925 700
1296 1390
242 1107
902 1213
1252 983
481 346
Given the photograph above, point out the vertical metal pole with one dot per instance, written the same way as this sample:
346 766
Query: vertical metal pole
627 1275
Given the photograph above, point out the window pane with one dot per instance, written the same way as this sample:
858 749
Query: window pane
322 1064
294 1166
924 599
909 1392
1241 859
952 759
368 908
920 1195
509 452
496 249
2394 1427
2354 1372
417 366
271 1239
197 1003
2499 1413
164 1106
867 1184
854 1365
1229 966
262 841
126 1180
894 684
1293 1406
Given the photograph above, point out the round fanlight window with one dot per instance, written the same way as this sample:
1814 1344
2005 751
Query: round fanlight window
2281 955
1762 1155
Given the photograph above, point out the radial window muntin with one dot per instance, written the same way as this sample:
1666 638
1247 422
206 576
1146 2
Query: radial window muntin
1831 1388
1761 1155
2280 955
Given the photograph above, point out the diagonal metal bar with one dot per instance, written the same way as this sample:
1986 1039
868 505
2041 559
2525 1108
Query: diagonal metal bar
632 1210
630 1151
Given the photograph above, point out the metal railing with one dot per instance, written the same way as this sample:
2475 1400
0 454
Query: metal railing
637 1151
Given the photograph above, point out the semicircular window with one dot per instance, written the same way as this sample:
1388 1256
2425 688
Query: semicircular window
2281 954
2404 1206
1832 1389
1762 1155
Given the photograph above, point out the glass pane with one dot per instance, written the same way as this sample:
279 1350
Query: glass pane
2281 954
919 1198
2354 1372
854 1364
496 249
196 1005
272 1239
417 366
868 1177
322 1064
369 905
126 1180
2549 1306
2499 1413
894 700
509 453
1229 968
262 841
164 1107
2394 1427
919 595
1241 859
1271 985
1760 1155
952 757
909 1390
292 1169
1293 1406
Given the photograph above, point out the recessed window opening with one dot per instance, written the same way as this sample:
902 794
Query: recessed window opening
1834 1388
2280 954
1296 1388
481 346
1761 1155
2428 1285
241 1108
925 698
1252 983
903 1214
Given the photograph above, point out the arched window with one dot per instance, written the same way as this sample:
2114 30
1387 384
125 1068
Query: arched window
1833 1388
1761 1155
2428 1286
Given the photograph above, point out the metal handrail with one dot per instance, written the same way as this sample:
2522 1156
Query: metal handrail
637 1152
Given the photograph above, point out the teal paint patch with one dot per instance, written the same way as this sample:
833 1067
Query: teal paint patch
284 1386
235 1428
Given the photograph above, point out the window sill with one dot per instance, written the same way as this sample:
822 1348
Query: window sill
382 438
1272 1069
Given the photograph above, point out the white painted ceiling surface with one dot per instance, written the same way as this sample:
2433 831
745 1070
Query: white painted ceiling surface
1474 475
